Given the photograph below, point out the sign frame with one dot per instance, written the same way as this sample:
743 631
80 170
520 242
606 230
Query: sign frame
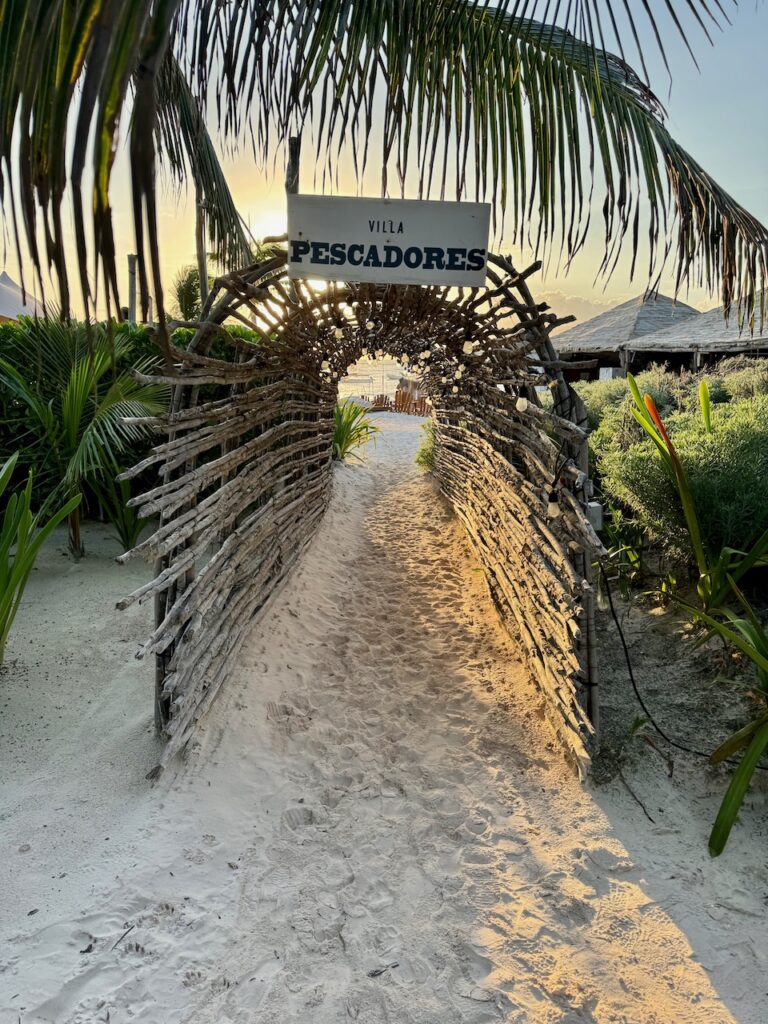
388 241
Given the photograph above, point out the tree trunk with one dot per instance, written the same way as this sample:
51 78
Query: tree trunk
202 255
75 542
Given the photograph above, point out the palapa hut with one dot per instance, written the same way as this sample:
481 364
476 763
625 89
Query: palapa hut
13 302
699 340
608 340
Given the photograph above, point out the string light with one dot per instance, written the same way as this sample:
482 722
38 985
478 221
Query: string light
521 404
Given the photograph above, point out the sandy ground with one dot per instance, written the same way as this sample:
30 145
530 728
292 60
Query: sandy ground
375 824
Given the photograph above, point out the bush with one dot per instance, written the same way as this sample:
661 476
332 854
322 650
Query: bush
747 380
425 456
671 392
599 396
727 471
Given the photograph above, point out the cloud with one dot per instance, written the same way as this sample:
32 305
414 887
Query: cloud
579 306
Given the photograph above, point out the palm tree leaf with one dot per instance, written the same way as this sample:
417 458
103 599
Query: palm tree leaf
539 104
183 139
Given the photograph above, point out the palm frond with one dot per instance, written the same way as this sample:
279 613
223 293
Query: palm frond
518 109
183 140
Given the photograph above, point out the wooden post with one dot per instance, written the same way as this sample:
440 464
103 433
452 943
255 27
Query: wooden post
132 288
292 168
202 255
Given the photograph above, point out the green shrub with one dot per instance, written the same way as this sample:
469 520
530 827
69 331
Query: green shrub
727 471
77 402
352 428
748 381
599 396
425 456
670 391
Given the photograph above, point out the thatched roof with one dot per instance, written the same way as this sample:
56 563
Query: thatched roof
707 332
622 325
12 304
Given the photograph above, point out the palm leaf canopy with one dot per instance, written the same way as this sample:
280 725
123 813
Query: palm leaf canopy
520 101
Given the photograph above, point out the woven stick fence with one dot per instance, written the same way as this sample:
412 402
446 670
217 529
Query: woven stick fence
244 470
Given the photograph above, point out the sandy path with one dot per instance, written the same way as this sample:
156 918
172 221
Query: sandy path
374 826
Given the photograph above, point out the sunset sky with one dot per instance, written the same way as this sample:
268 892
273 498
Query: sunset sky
717 113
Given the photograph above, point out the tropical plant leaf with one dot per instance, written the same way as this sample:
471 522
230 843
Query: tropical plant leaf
83 407
519 110
184 142
21 537
352 428
706 406
737 741
734 796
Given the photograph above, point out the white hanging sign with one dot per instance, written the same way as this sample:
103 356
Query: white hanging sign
387 241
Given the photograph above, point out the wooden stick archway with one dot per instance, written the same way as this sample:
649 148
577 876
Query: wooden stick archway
244 470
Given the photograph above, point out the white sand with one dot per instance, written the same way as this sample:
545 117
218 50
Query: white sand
375 792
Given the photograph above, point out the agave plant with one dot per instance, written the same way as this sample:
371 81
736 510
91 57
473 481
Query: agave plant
522 109
352 428
77 401
717 570
21 537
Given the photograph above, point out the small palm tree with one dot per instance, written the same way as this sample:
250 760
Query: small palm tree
67 375
352 428
186 290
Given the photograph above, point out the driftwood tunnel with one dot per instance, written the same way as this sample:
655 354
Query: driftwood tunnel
244 471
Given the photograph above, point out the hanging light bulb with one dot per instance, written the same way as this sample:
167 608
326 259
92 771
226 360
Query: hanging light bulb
443 380
338 333
553 506
467 348
457 375
521 404
369 325
455 390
